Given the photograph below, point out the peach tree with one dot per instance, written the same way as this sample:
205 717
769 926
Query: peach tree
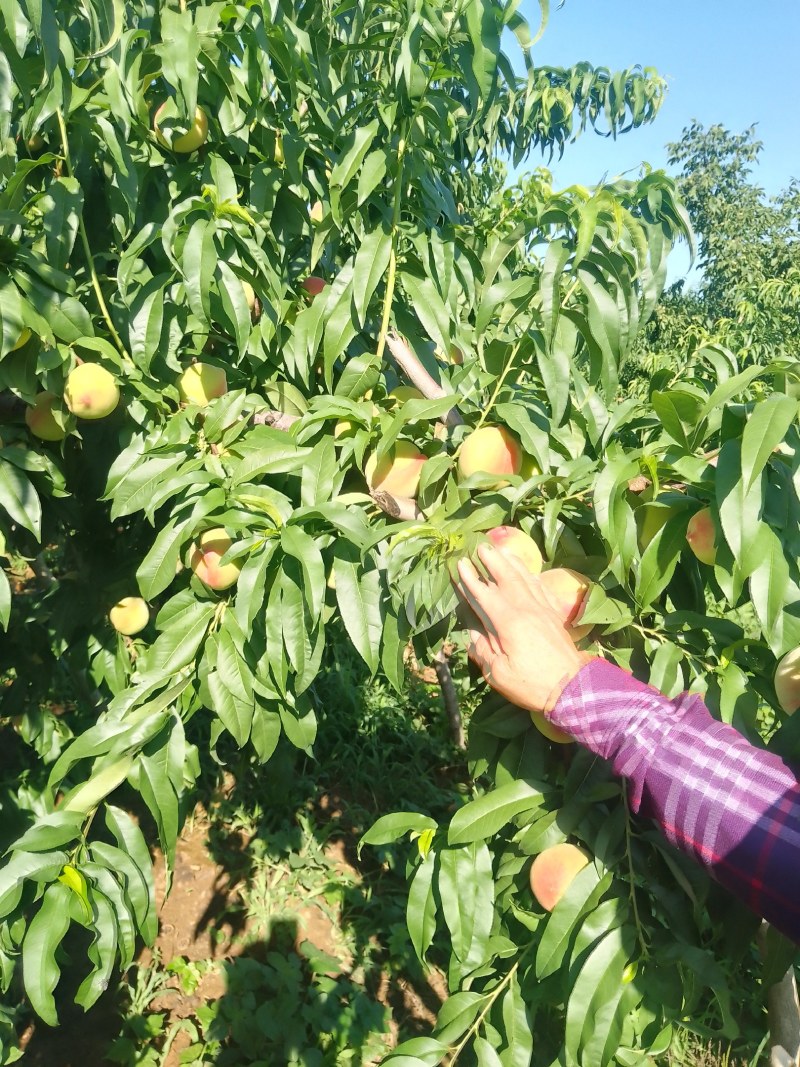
261 281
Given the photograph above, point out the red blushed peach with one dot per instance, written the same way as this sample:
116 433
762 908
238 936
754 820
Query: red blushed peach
91 392
490 450
553 870
517 543
701 535
205 558
313 285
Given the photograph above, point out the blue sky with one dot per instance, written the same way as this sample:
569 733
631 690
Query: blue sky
726 61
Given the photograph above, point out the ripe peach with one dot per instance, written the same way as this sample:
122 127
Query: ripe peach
317 211
40 418
130 615
313 285
490 450
517 543
787 682
205 556
567 591
549 729
701 536
91 392
201 383
398 472
553 870
187 142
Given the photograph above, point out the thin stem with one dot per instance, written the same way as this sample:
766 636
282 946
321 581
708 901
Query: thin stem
86 248
391 276
492 997
631 886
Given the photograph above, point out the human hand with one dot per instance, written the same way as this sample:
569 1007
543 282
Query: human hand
522 647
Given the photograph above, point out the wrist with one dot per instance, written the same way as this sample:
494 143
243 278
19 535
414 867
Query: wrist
580 661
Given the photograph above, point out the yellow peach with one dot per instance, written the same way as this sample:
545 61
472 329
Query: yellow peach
205 555
91 392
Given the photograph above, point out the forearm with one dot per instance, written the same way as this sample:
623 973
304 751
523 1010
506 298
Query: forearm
735 808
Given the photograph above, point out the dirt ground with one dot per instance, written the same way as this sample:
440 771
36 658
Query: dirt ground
199 922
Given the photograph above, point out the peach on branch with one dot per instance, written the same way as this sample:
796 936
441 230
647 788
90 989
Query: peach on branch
701 535
490 450
549 729
567 591
317 212
313 285
187 142
787 682
515 542
205 558
552 872
404 393
201 383
91 392
399 471
40 419
130 615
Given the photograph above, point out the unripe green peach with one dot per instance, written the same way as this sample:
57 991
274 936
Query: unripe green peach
91 392
552 872
399 471
701 535
187 142
40 419
567 591
787 682
490 450
205 555
404 393
201 383
130 615
514 542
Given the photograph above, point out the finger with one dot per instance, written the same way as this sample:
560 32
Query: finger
480 652
504 567
477 593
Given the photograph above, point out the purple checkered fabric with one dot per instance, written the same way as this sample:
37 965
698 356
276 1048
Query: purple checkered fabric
734 807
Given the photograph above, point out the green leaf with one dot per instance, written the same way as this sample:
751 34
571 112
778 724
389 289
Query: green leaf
421 907
371 263
766 428
358 595
457 1014
518 1046
484 35
390 827
130 840
482 818
594 999
36 866
40 970
466 888
354 149
20 499
102 952
581 896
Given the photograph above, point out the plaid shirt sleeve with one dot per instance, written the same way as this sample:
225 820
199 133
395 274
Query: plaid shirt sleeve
733 807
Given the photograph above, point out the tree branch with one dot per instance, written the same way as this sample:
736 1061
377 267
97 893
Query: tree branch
413 369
